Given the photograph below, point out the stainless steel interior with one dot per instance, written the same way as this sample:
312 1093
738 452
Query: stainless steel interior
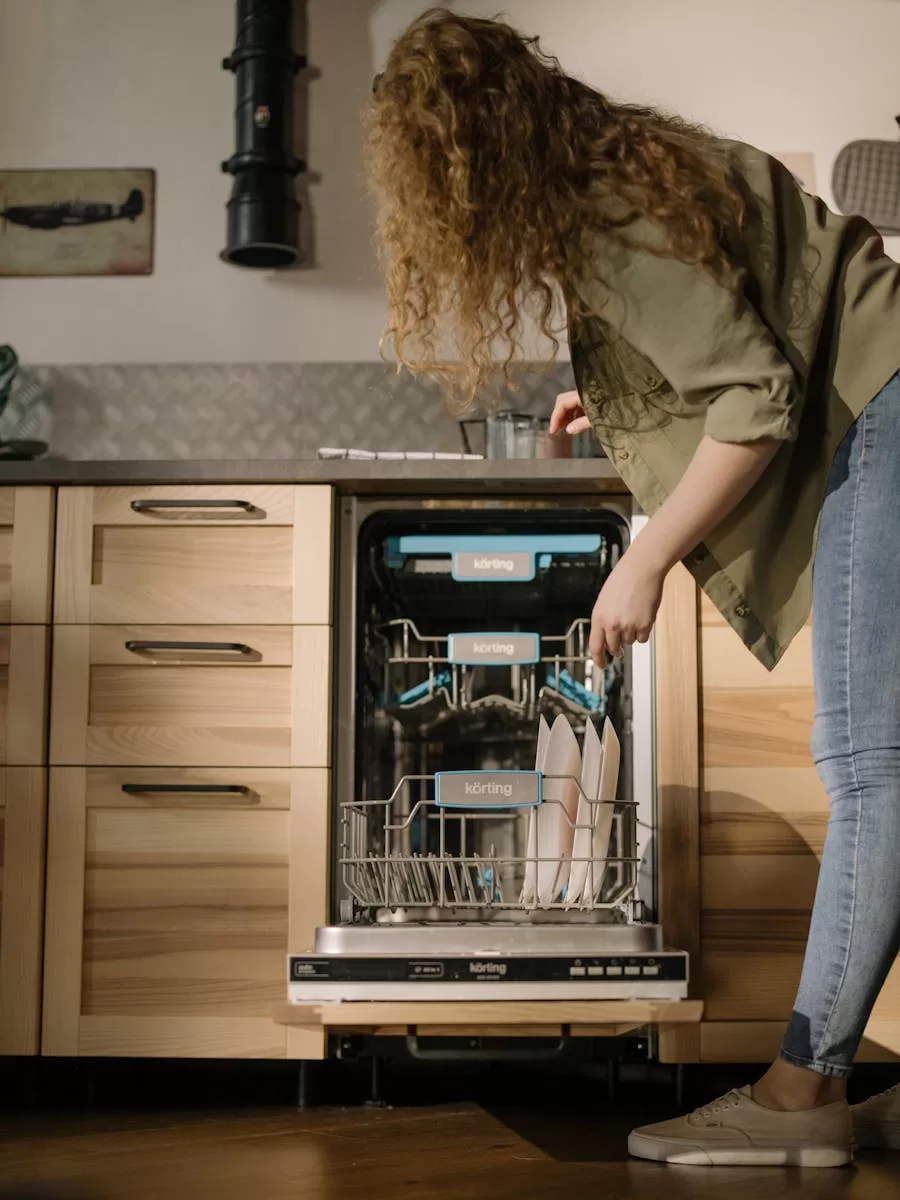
401 863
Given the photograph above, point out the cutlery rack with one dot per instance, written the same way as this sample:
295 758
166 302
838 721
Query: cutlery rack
411 858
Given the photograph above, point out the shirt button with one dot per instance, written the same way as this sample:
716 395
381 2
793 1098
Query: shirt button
742 610
623 455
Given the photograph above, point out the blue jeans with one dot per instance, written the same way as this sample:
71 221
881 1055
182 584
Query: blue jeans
855 932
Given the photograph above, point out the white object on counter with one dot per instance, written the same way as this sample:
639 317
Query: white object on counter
332 452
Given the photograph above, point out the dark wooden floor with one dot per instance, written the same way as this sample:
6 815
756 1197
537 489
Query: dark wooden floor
462 1151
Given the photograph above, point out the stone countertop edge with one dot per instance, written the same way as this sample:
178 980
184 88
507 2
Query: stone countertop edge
430 476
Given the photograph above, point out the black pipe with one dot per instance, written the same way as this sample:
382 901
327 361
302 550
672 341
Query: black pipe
263 212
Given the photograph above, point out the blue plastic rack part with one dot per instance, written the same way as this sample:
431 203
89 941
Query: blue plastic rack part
458 547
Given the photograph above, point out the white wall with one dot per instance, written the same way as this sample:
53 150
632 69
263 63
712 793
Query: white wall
138 83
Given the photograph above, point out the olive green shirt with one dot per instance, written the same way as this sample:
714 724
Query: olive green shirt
794 349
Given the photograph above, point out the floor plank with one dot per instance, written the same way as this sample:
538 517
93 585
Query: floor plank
463 1151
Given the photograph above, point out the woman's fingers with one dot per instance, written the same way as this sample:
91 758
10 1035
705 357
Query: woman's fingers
599 655
567 411
579 425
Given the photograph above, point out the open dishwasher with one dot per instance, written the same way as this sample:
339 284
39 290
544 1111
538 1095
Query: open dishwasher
463 633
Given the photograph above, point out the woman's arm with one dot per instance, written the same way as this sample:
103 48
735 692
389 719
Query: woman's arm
717 478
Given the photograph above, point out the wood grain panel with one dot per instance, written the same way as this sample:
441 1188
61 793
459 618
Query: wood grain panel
759 881
267 787
23 812
459 1014
24 662
678 787
195 566
313 555
272 504
311 699
761 787
745 727
26 536
186 912
64 908
759 1041
761 985
209 1036
763 833
30 558
113 707
729 665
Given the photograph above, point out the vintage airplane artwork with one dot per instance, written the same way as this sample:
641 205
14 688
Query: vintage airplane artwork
71 222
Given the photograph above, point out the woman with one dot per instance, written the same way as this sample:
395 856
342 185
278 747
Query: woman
736 348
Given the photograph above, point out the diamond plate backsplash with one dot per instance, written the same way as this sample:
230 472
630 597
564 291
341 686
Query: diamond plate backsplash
259 411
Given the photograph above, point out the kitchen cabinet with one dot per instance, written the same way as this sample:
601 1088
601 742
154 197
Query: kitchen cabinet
191 695
190 750
763 816
172 898
188 769
26 555
194 555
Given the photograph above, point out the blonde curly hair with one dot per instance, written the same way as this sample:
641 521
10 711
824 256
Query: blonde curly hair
494 171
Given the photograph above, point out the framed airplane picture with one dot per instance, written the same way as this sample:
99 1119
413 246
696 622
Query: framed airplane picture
94 222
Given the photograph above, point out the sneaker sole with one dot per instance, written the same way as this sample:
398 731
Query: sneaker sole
641 1146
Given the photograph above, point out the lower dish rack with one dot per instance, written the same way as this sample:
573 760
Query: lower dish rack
416 856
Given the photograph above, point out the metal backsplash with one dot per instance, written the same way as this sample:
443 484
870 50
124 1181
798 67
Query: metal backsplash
259 410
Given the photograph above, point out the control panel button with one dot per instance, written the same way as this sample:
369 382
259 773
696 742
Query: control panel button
595 971
632 970
614 970
577 971
651 970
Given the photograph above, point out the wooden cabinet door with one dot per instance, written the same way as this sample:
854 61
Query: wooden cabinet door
23 694
22 829
190 696
26 554
194 555
173 897
764 814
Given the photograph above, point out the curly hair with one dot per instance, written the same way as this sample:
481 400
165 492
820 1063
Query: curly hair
494 172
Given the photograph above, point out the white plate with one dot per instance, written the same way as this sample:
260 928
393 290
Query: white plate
556 815
529 889
591 763
603 816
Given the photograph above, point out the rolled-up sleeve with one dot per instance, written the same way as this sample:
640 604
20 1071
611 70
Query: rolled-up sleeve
706 338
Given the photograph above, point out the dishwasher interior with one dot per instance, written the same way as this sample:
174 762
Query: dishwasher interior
467 857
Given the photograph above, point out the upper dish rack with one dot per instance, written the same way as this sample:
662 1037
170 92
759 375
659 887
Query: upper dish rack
519 672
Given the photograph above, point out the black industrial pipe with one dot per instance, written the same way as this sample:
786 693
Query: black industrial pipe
263 212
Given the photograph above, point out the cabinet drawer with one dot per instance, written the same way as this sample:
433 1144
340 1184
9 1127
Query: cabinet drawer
172 899
23 694
22 829
208 554
26 554
190 696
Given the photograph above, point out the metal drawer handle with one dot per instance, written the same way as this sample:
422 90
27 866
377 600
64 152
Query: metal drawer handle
187 789
220 647
149 505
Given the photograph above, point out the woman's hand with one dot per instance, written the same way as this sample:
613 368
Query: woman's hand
626 607
568 415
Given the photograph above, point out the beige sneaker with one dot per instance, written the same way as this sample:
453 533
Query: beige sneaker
735 1131
876 1122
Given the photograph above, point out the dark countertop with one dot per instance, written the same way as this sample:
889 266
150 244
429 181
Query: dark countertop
535 476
